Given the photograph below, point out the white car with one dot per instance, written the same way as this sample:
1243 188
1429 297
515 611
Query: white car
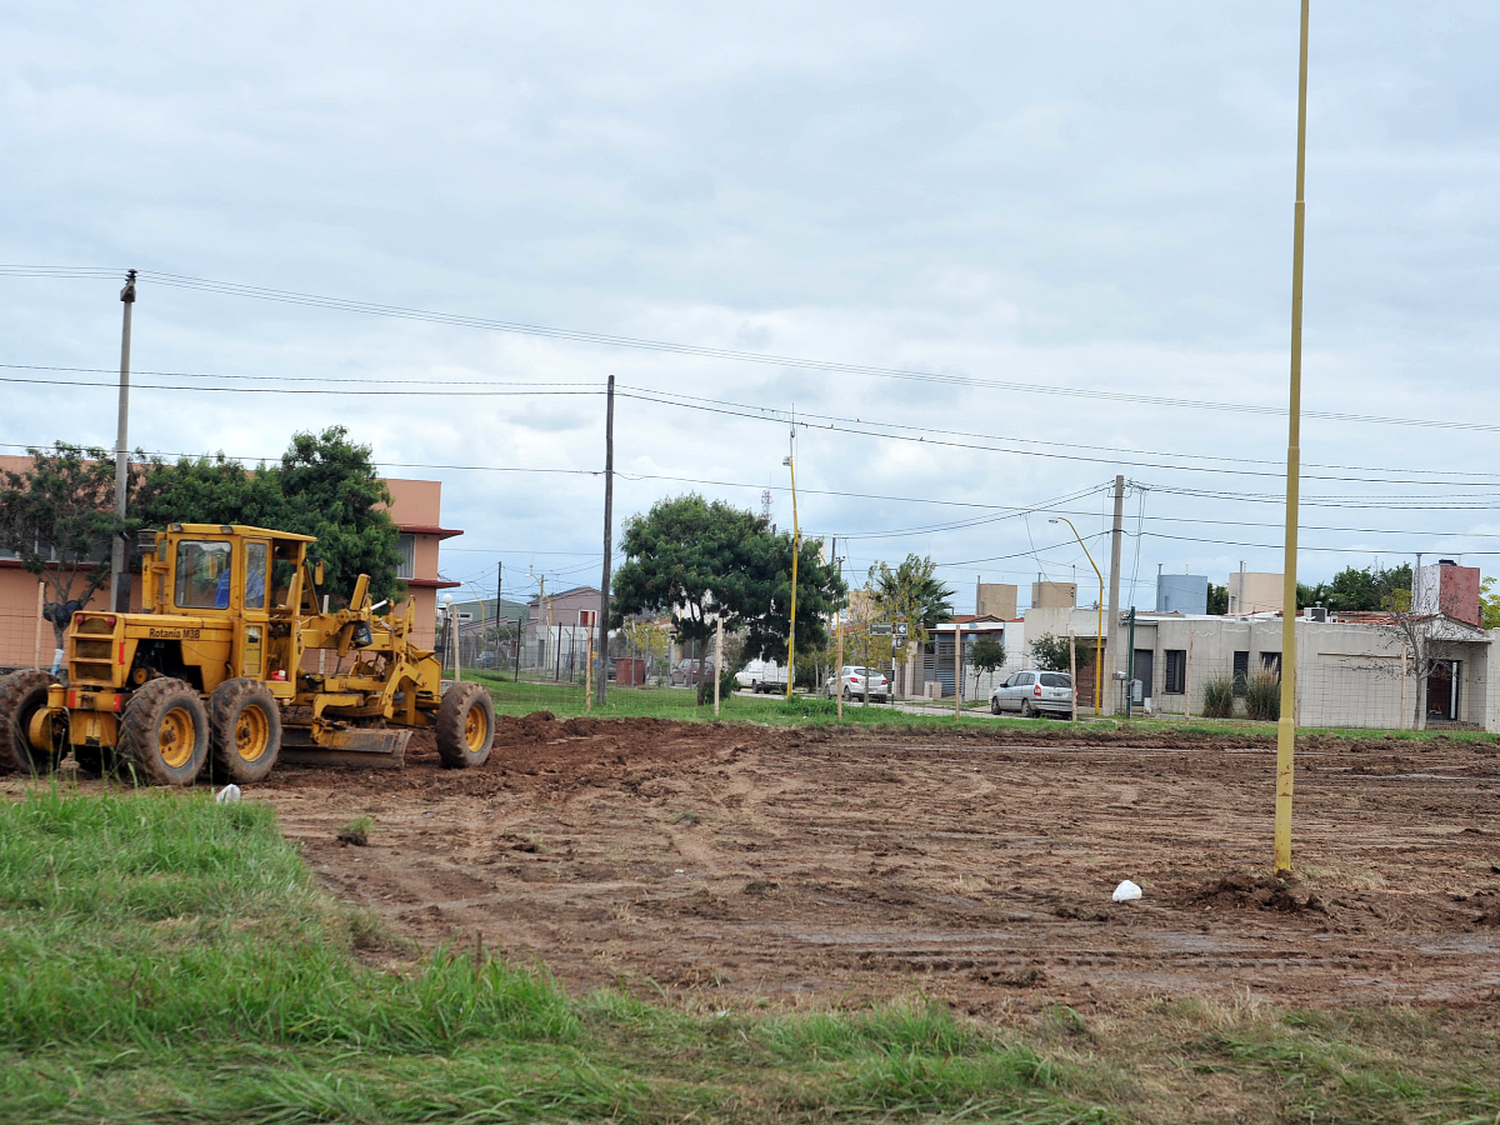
1034 692
851 680
762 676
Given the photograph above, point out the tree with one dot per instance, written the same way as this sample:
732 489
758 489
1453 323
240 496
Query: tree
1218 599
702 561
1050 653
1354 590
325 486
58 518
1489 604
985 655
912 593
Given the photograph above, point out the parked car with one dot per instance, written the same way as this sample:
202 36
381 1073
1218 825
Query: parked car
1034 693
762 676
851 680
486 660
687 672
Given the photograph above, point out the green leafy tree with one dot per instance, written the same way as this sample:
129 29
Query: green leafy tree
698 560
985 655
1218 599
912 592
212 490
1489 604
1353 589
1050 653
331 490
58 518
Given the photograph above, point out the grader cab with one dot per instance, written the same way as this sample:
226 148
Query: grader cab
214 677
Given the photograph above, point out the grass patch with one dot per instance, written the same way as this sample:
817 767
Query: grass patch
164 958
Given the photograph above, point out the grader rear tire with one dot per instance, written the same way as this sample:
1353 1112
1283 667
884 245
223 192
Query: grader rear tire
465 726
244 730
21 695
164 733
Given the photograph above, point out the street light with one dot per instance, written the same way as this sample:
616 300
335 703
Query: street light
1099 629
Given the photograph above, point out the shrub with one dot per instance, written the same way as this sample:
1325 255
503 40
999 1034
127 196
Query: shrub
1218 697
1263 696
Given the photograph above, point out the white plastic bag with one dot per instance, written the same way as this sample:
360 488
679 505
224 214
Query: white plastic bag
1127 892
231 793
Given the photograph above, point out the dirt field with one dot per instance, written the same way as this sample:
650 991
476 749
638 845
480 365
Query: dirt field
748 862
740 862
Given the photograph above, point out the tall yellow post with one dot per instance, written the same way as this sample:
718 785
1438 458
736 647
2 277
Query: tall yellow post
1286 725
1099 628
791 634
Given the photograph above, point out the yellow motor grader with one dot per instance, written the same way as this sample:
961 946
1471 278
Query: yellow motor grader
213 678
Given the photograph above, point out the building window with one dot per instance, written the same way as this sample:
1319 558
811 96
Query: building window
1271 662
406 547
1176 679
1241 672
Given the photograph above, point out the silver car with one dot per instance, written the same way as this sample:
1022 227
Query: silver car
1034 693
851 681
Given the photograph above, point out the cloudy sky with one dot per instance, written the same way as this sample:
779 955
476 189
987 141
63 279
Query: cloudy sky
991 254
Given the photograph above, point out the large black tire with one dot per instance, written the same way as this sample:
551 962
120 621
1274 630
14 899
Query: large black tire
1026 709
994 706
244 728
164 733
465 726
22 694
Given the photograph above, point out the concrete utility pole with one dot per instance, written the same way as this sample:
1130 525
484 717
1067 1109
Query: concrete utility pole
1113 644
609 511
119 572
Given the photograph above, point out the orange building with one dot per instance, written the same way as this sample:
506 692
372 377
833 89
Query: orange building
416 506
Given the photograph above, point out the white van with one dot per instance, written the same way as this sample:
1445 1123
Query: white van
762 676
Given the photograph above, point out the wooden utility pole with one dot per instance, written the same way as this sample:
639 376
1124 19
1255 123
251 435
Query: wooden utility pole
1286 725
119 573
609 509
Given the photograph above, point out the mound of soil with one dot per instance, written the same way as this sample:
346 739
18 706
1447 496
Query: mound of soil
1251 892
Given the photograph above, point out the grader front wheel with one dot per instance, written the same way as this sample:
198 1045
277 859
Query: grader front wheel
245 730
164 732
465 726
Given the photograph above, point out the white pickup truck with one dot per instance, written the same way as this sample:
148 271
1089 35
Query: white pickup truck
762 676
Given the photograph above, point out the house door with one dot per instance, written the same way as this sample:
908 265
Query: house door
1442 690
1144 659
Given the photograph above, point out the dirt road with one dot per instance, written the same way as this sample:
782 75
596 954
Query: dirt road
745 862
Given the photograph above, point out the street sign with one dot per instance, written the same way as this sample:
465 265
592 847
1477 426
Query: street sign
880 629
903 629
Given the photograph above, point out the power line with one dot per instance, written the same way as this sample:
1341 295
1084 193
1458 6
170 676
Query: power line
853 426
399 312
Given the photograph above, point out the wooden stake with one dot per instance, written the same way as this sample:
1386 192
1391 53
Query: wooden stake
1073 672
41 600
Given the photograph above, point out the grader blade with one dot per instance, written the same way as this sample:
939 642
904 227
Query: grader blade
360 747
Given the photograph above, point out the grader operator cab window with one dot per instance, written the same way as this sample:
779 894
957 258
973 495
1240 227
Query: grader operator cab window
255 575
283 569
203 574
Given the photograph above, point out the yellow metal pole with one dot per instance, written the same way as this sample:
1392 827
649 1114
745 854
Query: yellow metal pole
791 635
1099 628
1286 725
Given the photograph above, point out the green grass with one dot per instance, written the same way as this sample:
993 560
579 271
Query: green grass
164 958
566 702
